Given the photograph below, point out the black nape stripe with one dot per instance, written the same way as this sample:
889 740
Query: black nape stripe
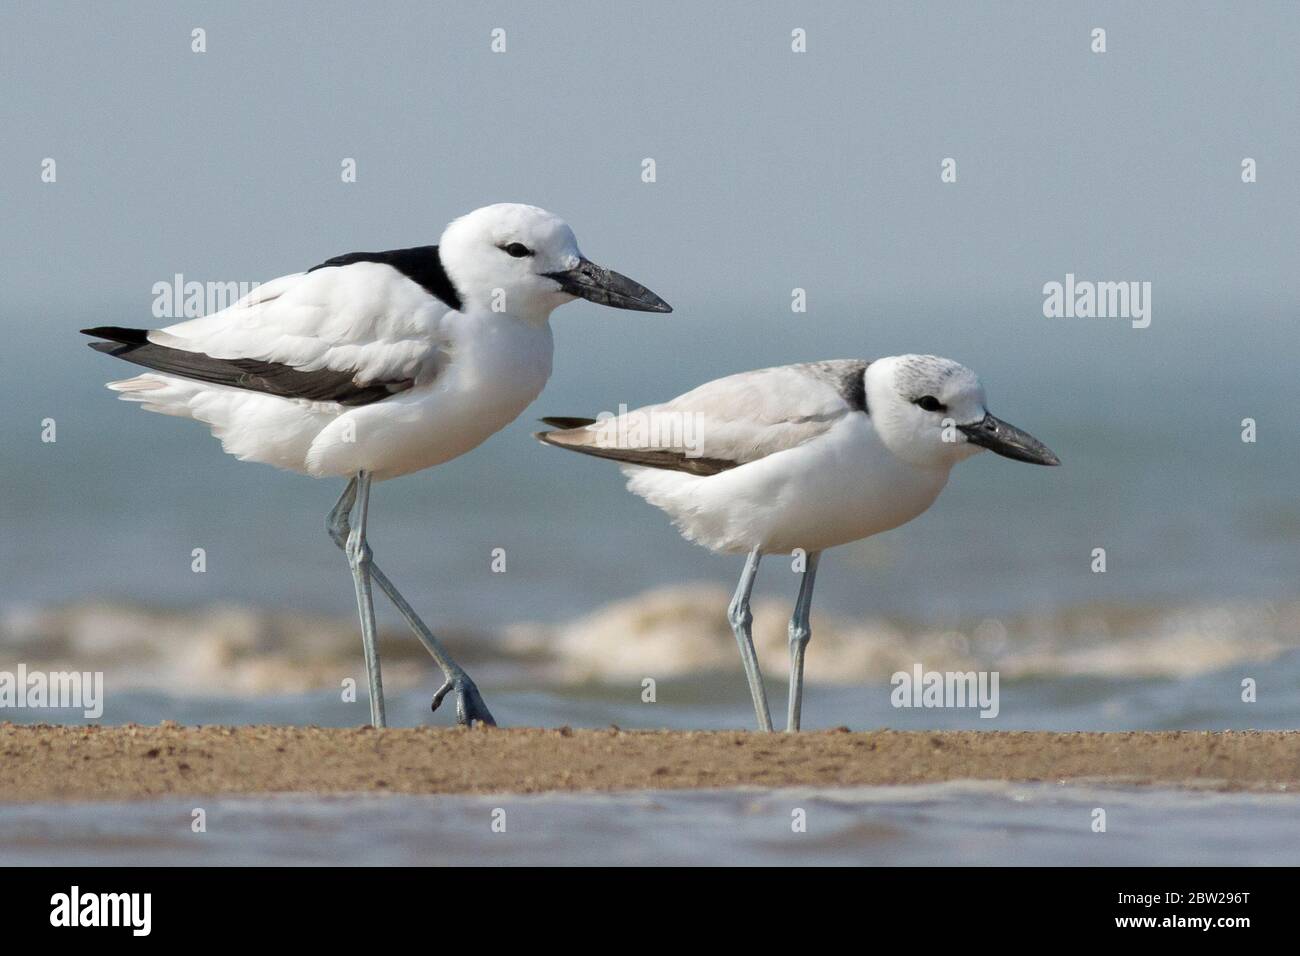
272 378
855 389
846 376
421 264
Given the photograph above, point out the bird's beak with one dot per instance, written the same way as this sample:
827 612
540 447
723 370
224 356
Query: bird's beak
607 287
1008 441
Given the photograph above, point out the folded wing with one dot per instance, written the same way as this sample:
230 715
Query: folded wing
352 333
724 423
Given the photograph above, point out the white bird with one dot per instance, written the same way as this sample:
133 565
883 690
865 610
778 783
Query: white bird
800 457
373 365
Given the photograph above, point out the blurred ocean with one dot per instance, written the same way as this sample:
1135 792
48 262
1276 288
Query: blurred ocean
816 171
1201 531
963 823
1148 424
776 171
1093 670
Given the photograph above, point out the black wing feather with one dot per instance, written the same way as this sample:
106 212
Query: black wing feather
561 422
647 457
273 378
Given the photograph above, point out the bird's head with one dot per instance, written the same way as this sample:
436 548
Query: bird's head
931 412
525 261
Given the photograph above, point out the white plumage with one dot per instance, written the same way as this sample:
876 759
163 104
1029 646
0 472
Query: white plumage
797 497
473 371
375 365
473 374
800 457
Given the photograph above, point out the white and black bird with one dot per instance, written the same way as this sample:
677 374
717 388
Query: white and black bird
373 365
800 457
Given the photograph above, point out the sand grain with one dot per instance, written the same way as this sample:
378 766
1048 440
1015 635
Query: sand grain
103 763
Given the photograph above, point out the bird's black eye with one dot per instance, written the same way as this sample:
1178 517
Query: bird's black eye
517 249
931 404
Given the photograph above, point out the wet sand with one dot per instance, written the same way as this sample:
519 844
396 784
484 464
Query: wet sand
115 763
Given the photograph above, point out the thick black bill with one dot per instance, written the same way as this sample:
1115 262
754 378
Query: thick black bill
1008 441
606 287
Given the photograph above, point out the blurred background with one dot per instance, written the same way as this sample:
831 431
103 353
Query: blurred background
774 170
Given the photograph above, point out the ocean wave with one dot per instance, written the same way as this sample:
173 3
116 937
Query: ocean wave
683 629
667 632
221 650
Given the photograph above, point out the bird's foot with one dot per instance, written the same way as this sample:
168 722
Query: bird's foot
470 707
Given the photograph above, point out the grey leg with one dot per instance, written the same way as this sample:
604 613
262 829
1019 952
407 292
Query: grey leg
358 553
469 703
741 619
800 632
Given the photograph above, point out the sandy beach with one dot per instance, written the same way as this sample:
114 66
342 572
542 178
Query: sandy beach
117 763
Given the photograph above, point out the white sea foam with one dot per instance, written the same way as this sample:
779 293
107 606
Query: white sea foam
674 631
682 629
